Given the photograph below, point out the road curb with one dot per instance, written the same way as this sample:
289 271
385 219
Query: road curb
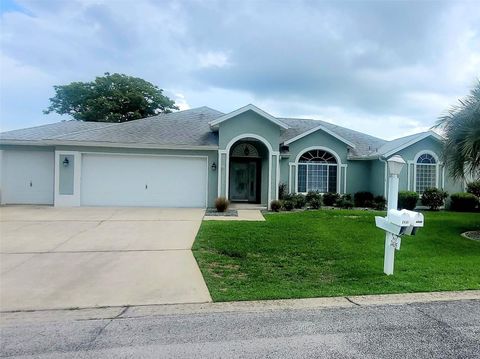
122 312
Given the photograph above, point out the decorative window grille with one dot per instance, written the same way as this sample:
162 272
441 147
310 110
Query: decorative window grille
426 173
317 171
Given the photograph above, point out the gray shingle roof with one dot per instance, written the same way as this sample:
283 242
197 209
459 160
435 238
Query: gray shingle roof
52 130
365 145
183 128
189 128
398 142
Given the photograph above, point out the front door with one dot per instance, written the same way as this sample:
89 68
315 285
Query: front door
243 181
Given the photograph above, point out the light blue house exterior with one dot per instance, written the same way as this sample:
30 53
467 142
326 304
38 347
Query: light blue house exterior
189 158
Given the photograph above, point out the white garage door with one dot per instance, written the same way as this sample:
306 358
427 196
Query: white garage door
156 181
27 177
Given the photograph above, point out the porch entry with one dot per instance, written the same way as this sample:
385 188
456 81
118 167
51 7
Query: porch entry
245 174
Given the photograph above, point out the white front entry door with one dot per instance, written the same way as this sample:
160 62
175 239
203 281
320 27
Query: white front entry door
137 180
27 177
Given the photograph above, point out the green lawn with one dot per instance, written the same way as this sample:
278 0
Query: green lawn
333 253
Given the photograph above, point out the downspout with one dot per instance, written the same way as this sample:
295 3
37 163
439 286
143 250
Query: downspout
385 179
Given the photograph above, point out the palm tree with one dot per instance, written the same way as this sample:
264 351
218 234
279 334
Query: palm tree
461 129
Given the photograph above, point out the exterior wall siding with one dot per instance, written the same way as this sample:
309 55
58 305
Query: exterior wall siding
409 153
377 178
357 175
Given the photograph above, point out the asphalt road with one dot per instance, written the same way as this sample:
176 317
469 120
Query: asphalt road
422 330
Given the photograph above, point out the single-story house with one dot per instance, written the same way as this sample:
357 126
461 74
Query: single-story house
188 158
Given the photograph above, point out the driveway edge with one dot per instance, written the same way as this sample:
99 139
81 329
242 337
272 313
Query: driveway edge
122 312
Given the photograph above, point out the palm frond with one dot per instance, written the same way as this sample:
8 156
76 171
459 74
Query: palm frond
461 128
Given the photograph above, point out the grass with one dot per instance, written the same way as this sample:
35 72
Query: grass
334 253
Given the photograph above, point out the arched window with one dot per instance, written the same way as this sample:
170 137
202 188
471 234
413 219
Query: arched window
425 172
245 150
317 171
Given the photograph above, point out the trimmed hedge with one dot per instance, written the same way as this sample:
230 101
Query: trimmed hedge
407 200
299 201
434 198
379 203
315 203
345 202
363 199
313 195
275 205
288 204
330 198
463 202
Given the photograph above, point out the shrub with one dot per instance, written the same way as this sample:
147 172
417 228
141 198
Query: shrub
299 200
313 195
315 203
434 198
474 188
288 204
221 204
363 199
463 202
407 200
275 205
345 202
282 191
379 203
330 198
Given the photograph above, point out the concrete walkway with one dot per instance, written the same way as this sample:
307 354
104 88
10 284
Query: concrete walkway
88 257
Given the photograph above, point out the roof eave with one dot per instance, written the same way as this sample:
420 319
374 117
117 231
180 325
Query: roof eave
106 144
413 141
215 123
318 128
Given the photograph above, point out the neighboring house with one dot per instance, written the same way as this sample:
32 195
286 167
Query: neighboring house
188 158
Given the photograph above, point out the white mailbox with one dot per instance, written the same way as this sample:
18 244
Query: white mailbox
399 218
416 221
400 222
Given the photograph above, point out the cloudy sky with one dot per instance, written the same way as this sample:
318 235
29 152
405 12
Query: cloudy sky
388 68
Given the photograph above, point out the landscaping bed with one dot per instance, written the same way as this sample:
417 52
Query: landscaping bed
332 253
212 212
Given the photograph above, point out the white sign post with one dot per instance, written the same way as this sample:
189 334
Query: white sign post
392 242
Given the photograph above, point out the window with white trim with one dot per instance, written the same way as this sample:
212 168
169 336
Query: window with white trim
317 171
426 172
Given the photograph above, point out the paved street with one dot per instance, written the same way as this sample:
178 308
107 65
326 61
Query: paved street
417 330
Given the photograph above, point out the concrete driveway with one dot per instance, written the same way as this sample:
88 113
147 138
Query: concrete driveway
91 256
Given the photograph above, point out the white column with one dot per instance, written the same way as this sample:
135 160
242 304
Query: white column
227 174
290 176
392 203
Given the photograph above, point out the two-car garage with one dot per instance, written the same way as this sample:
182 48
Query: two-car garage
28 177
154 181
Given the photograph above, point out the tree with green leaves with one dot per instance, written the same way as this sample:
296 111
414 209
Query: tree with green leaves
110 98
461 128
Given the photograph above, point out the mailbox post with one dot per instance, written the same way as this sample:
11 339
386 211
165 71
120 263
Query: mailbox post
396 223
392 242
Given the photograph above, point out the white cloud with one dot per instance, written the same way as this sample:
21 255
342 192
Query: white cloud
181 102
213 59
